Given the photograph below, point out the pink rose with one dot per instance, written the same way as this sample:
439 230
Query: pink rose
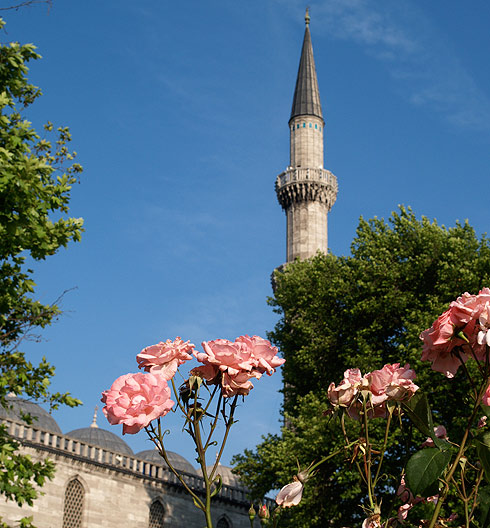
474 303
407 497
345 393
236 384
484 320
439 341
290 494
135 400
373 521
264 354
210 373
403 492
462 316
392 382
403 511
226 355
486 397
440 432
233 365
165 357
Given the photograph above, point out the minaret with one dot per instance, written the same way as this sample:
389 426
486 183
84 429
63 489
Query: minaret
305 190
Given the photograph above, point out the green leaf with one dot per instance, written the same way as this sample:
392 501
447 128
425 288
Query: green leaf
484 507
418 410
486 410
219 484
424 469
482 444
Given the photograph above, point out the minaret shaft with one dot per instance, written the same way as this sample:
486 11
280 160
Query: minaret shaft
306 142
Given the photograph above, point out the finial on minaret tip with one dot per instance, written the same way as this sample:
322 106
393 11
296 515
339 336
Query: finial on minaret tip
94 419
307 16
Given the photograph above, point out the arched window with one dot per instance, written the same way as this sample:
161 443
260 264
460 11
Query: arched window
73 505
157 514
223 523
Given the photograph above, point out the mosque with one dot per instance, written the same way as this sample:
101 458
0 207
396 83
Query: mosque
99 481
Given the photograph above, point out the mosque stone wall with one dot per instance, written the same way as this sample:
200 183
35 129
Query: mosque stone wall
118 489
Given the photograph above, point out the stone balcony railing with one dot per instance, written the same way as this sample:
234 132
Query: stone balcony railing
306 184
31 436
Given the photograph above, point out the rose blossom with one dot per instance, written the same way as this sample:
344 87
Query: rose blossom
264 354
232 384
439 341
290 494
374 521
392 382
484 320
135 400
440 432
410 501
486 397
226 355
165 357
347 390
403 492
234 364
441 338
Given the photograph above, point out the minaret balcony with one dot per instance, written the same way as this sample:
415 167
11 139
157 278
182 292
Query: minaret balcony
306 184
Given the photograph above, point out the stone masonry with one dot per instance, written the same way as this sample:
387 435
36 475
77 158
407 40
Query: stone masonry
116 489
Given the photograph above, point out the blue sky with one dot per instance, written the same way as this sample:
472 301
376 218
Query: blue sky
179 114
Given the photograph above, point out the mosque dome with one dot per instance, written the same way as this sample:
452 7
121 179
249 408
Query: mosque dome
40 417
101 438
177 461
228 478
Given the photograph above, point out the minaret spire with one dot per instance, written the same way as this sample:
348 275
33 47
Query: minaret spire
305 190
306 100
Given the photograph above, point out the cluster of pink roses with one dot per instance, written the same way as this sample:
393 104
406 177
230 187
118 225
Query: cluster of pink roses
134 400
234 364
392 382
469 315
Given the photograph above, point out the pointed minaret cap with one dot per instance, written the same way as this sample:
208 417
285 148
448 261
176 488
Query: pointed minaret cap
94 419
306 100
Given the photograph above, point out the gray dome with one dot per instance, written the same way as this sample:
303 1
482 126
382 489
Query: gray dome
40 417
228 478
101 438
177 461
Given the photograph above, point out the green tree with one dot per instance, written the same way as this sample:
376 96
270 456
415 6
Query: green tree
363 310
36 176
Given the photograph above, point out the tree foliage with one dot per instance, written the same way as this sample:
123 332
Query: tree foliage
363 310
36 176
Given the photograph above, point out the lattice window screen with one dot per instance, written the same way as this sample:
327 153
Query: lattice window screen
156 515
73 508
223 523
